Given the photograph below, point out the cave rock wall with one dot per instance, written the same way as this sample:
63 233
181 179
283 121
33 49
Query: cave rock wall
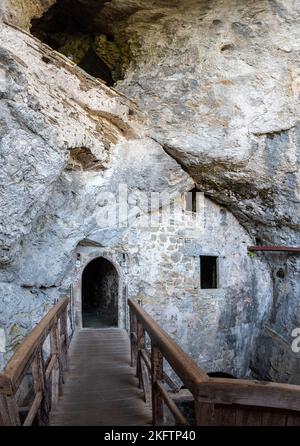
216 91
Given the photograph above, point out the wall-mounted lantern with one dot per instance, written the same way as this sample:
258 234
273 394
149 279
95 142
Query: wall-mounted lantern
78 261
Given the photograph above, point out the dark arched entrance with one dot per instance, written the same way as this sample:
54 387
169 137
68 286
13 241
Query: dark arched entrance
100 287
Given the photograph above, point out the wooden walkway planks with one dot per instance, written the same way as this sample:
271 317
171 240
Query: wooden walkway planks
101 388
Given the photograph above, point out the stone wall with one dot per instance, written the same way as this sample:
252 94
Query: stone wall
217 327
159 262
216 86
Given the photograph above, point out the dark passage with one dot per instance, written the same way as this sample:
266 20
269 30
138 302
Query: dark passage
73 28
209 271
100 294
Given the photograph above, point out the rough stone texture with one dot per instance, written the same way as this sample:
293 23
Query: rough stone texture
222 92
62 206
224 321
21 12
274 351
221 102
221 89
45 121
20 310
220 84
2 341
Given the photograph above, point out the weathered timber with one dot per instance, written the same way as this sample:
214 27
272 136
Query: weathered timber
46 376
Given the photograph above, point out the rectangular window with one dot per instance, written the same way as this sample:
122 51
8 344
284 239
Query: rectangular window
191 201
209 272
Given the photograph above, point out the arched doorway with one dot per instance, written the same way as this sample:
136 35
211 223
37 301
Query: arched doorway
100 289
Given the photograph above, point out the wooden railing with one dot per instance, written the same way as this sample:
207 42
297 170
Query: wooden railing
217 401
28 369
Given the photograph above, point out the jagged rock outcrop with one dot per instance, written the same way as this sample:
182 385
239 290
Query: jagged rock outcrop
216 87
41 122
220 84
222 92
21 12
68 144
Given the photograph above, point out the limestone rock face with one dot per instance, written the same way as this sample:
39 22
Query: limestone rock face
68 144
21 12
207 93
22 308
220 84
40 123
221 88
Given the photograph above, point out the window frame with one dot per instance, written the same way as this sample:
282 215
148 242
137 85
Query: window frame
218 271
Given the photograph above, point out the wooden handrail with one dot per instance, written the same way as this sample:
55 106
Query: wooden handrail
184 366
288 249
29 358
162 346
250 393
20 361
217 401
179 418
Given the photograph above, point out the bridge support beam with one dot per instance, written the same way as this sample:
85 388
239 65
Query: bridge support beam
157 374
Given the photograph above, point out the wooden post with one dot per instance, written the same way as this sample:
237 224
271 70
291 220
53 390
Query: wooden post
4 420
204 413
145 369
145 380
9 412
39 385
130 336
143 377
56 372
140 345
133 334
13 410
140 336
64 339
4 417
157 374
30 354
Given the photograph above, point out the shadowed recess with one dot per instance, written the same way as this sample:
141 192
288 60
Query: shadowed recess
100 294
77 29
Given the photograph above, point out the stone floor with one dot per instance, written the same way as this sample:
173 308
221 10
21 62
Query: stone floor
94 319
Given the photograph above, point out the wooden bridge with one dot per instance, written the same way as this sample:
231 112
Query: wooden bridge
107 378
